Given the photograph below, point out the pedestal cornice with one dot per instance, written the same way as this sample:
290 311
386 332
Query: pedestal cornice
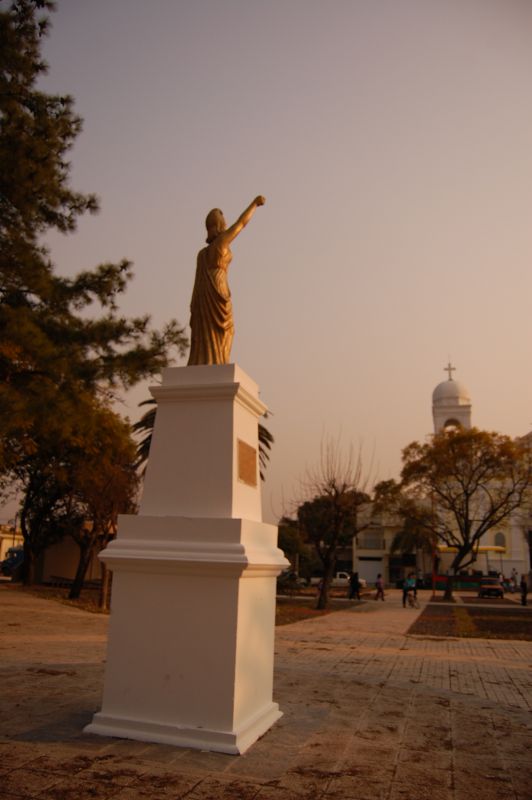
173 394
195 546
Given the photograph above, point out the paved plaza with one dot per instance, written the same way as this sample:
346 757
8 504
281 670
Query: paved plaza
370 713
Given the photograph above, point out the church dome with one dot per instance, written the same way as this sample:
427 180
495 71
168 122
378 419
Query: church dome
450 392
451 405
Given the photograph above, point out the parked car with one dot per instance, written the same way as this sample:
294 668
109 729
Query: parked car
340 579
490 587
12 563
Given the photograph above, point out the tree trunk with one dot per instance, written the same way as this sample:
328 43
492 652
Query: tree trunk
449 588
27 571
323 597
105 589
84 561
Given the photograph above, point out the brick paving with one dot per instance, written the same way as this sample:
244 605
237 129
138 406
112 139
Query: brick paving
370 713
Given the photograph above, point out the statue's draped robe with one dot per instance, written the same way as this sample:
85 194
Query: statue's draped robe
211 311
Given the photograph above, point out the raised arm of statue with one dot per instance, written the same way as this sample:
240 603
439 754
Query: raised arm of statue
234 229
211 311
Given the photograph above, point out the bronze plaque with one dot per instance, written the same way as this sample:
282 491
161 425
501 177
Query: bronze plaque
247 463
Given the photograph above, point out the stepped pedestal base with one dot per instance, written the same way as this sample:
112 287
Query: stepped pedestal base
191 637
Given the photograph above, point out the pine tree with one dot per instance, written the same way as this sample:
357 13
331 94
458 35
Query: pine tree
54 357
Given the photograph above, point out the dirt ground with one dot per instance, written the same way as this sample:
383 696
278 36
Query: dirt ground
290 610
468 616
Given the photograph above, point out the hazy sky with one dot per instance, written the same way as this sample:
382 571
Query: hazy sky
392 140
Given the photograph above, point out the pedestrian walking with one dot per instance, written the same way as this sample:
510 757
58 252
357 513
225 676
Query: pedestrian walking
409 585
354 586
379 585
523 586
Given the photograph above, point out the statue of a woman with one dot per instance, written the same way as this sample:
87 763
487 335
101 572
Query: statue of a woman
211 311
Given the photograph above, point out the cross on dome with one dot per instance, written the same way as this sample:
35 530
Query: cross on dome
450 369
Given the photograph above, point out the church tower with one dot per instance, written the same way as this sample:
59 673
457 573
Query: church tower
451 406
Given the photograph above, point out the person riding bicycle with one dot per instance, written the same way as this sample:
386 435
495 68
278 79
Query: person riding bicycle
409 587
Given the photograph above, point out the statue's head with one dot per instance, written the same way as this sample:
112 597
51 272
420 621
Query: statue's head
215 223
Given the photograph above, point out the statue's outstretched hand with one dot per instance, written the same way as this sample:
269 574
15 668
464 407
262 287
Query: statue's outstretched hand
260 200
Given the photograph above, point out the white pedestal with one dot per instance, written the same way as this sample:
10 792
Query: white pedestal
205 417
190 655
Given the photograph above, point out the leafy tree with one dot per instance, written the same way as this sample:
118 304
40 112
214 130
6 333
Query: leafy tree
266 442
46 513
415 536
76 485
330 518
144 427
104 484
289 538
55 356
291 541
417 531
465 483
